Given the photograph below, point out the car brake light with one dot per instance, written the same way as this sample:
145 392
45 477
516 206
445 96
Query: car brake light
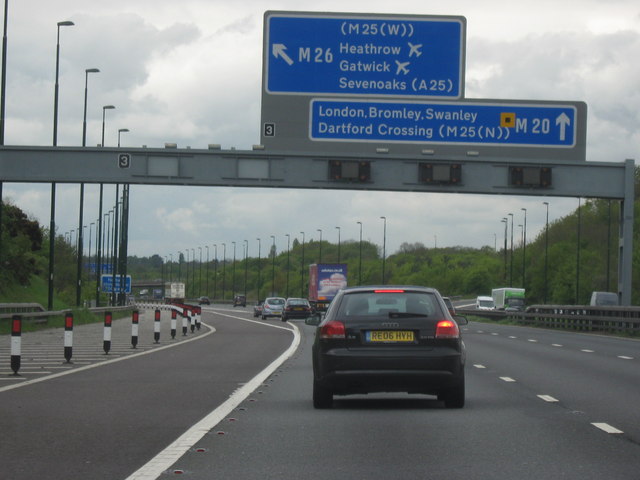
447 329
333 329
389 290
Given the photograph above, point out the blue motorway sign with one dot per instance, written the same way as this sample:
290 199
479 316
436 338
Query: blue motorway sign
344 54
107 283
540 124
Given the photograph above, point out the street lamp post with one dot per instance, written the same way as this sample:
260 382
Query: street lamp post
179 266
104 110
52 222
384 245
505 220
233 272
246 266
81 212
224 262
100 243
200 273
120 131
288 251
338 228
259 267
3 84
524 247
302 269
578 253
320 253
207 270
360 262
193 271
215 269
273 266
511 259
546 250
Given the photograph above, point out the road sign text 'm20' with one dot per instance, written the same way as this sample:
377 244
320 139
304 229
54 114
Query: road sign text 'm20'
541 124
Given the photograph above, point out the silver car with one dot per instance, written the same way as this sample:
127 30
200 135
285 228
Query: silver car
273 307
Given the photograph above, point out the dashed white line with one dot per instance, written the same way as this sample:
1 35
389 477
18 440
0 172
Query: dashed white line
586 350
625 357
605 427
556 345
547 398
507 379
479 366
532 340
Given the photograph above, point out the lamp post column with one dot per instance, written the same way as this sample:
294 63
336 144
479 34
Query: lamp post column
52 222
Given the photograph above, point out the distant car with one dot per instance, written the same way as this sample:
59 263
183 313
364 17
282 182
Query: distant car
204 301
257 308
272 307
485 303
389 339
239 301
296 308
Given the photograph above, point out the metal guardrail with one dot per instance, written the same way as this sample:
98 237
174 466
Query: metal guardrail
570 317
27 311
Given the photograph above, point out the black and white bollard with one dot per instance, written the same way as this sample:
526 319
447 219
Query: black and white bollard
192 315
16 343
185 325
156 327
68 337
107 332
198 317
135 324
174 321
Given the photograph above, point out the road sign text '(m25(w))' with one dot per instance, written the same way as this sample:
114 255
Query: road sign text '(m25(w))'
417 56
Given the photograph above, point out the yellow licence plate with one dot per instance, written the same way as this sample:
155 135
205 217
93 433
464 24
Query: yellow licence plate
376 336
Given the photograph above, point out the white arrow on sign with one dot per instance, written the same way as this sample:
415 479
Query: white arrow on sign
278 50
563 121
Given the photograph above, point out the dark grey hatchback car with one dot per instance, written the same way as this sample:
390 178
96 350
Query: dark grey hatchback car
389 339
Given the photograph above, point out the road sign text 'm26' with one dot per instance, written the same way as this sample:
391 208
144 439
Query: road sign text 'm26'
353 55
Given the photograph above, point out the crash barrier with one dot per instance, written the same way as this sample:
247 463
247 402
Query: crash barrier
571 317
36 315
190 313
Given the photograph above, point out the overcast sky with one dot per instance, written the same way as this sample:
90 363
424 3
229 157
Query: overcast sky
189 72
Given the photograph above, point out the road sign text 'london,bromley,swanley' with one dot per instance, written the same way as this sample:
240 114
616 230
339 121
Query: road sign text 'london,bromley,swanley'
468 122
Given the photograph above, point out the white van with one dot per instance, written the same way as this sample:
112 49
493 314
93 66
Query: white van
485 303
603 299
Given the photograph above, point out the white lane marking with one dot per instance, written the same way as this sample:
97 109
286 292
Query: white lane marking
477 365
556 345
170 455
507 379
606 427
624 357
585 350
107 362
547 398
532 340
494 333
511 336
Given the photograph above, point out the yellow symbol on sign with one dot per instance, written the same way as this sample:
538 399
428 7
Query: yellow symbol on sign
507 120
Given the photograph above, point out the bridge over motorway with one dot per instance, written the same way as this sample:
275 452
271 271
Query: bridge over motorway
460 171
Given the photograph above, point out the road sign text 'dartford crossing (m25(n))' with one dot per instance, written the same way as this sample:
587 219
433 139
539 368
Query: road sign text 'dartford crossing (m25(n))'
539 124
373 55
